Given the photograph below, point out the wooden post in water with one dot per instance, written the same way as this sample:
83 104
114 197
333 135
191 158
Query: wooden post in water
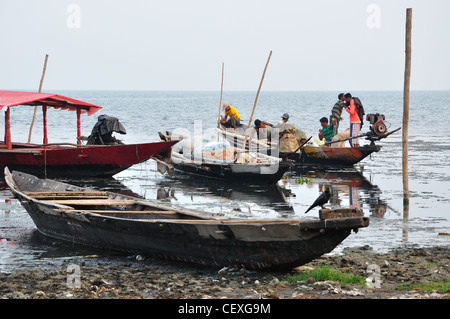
40 88
220 104
256 99
406 113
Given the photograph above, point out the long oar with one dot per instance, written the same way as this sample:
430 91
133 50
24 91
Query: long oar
40 88
302 144
256 99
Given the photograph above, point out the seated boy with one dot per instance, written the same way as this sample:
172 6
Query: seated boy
327 131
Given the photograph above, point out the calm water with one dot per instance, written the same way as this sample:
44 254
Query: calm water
375 185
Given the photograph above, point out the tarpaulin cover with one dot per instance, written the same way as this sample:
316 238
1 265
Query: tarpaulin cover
108 124
12 98
103 129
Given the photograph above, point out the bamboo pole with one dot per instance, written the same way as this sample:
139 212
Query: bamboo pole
40 89
256 99
406 113
220 104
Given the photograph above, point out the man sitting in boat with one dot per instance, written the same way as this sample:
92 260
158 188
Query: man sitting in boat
327 131
234 119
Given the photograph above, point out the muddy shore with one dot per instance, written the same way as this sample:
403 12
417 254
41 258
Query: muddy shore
137 277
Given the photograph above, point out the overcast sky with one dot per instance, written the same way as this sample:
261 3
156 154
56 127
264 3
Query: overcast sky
181 44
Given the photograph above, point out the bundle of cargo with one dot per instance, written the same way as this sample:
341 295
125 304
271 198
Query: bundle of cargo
290 138
235 155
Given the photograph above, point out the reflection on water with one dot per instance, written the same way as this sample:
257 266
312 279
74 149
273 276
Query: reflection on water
349 188
267 197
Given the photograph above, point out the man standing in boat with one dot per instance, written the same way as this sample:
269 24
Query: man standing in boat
355 122
234 119
336 112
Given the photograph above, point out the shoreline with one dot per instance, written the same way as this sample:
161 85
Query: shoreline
137 277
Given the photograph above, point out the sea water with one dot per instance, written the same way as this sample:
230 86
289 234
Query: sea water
375 185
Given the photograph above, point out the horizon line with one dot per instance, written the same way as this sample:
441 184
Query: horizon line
218 90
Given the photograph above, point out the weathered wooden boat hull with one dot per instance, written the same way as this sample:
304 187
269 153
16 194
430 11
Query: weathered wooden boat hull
269 172
322 156
80 161
254 244
233 173
218 245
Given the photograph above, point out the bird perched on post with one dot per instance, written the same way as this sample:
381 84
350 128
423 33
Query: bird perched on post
321 200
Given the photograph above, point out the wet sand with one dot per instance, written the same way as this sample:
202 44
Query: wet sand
137 277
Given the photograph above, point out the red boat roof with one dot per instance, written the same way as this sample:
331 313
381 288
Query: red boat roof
11 98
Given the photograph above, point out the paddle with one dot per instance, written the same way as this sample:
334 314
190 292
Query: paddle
256 99
302 144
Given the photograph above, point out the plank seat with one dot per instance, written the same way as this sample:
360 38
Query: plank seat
137 212
87 202
68 194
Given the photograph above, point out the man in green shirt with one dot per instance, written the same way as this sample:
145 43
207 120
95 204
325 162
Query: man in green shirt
327 131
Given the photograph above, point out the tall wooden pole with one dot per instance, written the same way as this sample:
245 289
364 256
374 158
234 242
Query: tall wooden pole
406 112
40 89
256 99
220 104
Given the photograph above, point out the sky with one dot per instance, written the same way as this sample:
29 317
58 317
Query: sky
322 45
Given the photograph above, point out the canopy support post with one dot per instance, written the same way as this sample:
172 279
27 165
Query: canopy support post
8 129
44 112
78 126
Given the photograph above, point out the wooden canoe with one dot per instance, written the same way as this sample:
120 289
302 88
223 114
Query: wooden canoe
220 162
308 156
123 223
326 156
265 173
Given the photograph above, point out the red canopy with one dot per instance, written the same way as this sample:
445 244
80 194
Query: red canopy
11 98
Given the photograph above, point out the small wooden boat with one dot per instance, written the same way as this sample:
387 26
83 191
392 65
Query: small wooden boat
330 156
221 162
327 156
67 159
123 223
309 155
266 172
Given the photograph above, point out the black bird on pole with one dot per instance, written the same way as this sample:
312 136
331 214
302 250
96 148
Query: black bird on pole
321 200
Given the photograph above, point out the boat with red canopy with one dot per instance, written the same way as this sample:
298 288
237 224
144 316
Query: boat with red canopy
66 159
